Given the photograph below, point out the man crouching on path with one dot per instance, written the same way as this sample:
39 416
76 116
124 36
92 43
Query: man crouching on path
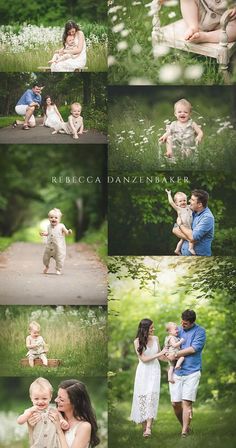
30 100
183 391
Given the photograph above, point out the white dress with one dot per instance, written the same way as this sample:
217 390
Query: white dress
146 387
70 64
70 435
52 118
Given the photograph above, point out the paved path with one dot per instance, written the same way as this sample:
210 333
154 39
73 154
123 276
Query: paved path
43 135
83 281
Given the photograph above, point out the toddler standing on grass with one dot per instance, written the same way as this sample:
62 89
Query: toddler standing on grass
202 18
172 344
185 213
36 345
184 134
44 433
56 244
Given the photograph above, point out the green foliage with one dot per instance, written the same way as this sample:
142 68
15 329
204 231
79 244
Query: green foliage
98 240
161 288
145 219
30 186
50 12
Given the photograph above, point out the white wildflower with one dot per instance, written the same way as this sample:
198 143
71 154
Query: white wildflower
111 60
170 73
118 28
114 9
136 49
140 82
171 15
122 45
125 33
194 71
160 50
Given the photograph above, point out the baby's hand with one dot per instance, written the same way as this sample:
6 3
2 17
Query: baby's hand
64 425
163 138
198 139
168 191
233 13
43 233
182 340
69 232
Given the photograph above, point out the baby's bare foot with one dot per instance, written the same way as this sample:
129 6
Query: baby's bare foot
75 136
190 33
58 272
54 132
199 36
45 270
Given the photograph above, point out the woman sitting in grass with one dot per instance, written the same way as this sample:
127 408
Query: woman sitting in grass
76 50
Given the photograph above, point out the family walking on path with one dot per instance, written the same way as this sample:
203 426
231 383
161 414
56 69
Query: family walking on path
183 353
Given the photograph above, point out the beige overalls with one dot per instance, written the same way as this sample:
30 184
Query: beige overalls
77 122
56 246
210 13
182 137
44 434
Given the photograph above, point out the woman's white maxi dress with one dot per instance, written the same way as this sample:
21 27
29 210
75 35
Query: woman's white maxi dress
146 387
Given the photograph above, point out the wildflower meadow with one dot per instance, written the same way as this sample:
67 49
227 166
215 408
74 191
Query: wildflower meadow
139 119
27 47
131 58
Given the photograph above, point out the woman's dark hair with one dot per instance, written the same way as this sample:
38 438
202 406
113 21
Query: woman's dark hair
69 26
82 408
142 334
44 105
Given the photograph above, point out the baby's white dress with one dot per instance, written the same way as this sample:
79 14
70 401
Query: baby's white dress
69 65
52 119
146 387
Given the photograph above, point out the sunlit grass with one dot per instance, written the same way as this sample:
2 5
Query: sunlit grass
76 336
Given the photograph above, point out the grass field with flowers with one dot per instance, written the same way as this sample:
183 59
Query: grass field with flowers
135 128
26 47
131 60
75 335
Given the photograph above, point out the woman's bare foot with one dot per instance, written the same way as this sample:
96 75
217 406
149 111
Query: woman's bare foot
45 270
190 33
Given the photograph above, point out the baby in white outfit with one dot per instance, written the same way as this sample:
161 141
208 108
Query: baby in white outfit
56 244
36 345
182 135
184 211
44 433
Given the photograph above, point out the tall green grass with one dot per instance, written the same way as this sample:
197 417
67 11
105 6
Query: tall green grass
76 336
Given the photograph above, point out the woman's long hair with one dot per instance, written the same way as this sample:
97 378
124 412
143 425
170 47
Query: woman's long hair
142 334
44 106
82 408
69 26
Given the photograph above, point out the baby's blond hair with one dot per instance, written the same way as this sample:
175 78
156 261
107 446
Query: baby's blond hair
185 102
55 210
169 325
179 193
40 383
76 104
33 325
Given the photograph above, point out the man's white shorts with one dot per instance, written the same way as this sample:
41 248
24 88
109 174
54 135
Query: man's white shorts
184 387
21 110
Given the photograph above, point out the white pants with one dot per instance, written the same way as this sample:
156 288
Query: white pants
21 110
184 387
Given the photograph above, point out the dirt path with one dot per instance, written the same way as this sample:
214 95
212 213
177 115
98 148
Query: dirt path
43 135
83 281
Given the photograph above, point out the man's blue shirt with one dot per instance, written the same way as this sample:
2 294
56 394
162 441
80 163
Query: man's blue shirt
203 233
28 97
194 337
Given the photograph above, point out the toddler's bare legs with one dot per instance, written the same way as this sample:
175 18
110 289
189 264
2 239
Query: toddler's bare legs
191 248
54 58
178 247
31 362
190 13
169 150
179 362
44 359
214 36
170 374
